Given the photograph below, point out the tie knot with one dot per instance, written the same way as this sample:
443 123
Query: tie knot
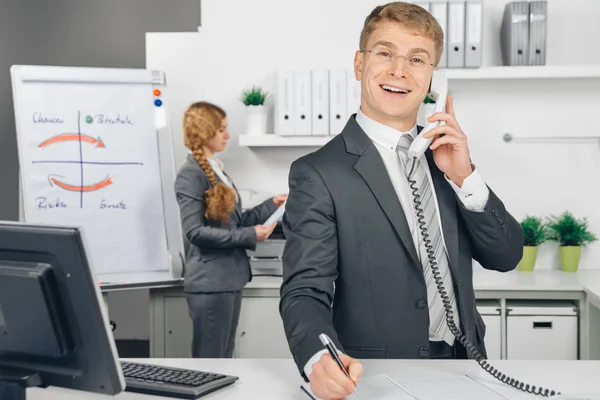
404 143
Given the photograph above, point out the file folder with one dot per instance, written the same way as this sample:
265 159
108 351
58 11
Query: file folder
514 34
353 95
537 32
302 103
456 34
284 103
320 103
439 10
474 33
337 101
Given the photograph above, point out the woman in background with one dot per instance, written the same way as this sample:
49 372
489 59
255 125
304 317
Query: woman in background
218 232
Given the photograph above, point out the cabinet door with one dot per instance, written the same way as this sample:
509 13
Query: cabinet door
129 310
541 337
178 328
493 336
260 331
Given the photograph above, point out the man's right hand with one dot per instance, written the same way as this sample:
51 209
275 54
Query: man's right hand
328 381
263 232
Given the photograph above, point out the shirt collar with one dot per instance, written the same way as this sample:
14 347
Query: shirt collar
215 163
381 134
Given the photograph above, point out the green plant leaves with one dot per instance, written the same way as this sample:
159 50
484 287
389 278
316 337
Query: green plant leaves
254 97
534 231
568 230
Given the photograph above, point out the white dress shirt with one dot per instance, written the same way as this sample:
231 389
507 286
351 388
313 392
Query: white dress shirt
473 193
217 166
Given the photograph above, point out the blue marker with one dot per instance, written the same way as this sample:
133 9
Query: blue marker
157 103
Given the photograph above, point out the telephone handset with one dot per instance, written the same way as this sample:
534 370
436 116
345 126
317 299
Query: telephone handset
439 91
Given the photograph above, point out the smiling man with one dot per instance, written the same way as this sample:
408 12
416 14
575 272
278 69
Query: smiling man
355 266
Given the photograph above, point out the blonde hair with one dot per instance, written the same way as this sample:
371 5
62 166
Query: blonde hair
409 15
201 122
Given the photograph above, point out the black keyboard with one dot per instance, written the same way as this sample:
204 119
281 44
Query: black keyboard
172 382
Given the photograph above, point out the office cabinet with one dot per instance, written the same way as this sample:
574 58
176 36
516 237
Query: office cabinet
541 330
260 332
178 328
129 310
490 313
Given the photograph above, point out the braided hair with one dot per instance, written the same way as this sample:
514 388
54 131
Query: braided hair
201 122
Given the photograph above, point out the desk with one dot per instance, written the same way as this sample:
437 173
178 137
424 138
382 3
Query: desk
279 379
170 326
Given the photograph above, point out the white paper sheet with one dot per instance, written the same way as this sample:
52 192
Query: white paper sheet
276 216
452 387
376 387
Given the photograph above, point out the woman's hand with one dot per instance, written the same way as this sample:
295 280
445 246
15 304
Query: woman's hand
263 232
279 200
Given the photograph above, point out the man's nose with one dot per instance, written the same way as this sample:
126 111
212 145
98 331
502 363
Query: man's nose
398 66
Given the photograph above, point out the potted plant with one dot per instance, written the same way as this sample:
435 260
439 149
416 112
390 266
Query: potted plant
572 234
256 115
534 234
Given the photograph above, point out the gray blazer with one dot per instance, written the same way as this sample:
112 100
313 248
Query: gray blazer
350 267
216 256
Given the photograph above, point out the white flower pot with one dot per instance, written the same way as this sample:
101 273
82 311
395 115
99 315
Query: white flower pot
256 120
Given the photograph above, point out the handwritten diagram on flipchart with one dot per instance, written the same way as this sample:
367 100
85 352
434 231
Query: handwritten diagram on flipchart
76 181
89 158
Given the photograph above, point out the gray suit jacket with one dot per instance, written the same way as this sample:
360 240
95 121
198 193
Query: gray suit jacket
350 267
216 256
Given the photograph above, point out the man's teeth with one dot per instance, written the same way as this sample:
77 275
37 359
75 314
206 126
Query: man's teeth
393 89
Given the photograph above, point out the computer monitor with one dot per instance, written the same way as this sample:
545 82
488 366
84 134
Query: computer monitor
53 327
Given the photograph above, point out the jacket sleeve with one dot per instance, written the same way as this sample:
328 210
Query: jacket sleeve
259 214
496 236
310 264
189 188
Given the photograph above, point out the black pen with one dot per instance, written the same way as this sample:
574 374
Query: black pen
334 354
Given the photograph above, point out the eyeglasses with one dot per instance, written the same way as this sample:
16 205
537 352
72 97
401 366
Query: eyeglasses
388 58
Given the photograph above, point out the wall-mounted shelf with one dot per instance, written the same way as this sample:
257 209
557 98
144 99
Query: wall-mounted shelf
526 72
483 73
273 140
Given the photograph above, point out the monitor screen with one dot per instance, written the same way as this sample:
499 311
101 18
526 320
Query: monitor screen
53 321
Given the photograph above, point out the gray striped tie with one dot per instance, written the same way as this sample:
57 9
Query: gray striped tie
437 316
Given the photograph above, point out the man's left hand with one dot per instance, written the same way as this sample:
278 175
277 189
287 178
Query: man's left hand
450 152
279 200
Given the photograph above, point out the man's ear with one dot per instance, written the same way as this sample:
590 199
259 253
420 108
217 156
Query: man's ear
358 60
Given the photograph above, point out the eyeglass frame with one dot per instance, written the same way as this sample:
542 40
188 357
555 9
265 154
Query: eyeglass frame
394 58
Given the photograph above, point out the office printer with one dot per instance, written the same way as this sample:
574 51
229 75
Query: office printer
266 259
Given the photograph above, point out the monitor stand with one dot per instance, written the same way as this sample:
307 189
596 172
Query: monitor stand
14 383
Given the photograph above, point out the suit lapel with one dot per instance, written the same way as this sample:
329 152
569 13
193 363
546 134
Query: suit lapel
371 168
369 165
448 212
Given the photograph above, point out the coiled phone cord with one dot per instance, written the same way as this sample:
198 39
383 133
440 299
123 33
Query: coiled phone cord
471 349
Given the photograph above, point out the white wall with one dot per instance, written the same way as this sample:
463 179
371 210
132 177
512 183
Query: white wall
242 43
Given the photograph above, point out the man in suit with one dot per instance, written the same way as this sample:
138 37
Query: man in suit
355 266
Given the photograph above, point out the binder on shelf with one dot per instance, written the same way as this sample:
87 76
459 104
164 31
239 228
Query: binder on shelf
425 4
537 32
456 34
474 33
353 93
302 103
320 102
514 34
284 103
439 9
337 101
